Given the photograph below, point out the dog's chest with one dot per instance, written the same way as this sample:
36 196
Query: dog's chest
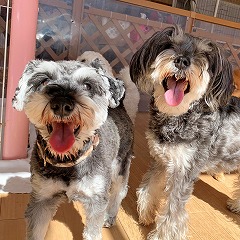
87 187
178 155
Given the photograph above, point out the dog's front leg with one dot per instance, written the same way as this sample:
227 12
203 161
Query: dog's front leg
150 193
118 192
39 213
95 208
171 221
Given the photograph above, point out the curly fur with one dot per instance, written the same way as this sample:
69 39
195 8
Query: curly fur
132 96
84 142
193 127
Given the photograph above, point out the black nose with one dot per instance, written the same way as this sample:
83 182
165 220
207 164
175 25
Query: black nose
62 102
62 106
182 62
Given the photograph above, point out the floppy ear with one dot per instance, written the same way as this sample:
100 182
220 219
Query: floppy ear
117 91
142 60
24 87
97 63
221 84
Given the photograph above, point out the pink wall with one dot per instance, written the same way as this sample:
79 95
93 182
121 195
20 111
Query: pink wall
22 49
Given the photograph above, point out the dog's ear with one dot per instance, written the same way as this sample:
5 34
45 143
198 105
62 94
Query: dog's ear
142 60
97 63
221 84
23 85
117 91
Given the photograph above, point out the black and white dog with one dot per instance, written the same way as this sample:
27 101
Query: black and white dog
84 142
194 124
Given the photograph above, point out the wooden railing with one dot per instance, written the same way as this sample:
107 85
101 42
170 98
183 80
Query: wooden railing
116 36
65 31
231 44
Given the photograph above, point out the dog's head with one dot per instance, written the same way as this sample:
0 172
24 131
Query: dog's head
66 101
91 57
179 69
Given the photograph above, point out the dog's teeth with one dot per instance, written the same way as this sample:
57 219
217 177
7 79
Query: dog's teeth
49 128
77 130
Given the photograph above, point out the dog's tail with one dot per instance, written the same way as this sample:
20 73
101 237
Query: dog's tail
132 95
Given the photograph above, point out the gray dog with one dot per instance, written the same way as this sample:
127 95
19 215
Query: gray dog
194 124
83 148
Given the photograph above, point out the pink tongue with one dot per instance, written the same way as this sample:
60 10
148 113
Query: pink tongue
62 137
175 94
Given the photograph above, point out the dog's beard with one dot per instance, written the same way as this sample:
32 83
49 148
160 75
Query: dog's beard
65 136
174 89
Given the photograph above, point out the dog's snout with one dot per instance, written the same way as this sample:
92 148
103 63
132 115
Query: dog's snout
182 62
62 106
54 90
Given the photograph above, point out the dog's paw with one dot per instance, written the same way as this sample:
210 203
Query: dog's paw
146 207
155 235
234 205
109 222
162 234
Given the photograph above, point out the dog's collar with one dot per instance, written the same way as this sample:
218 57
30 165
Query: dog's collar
94 140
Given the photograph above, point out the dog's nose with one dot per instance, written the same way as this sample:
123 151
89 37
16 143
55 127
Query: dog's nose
182 62
62 106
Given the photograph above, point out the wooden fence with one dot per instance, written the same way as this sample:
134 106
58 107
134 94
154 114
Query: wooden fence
66 30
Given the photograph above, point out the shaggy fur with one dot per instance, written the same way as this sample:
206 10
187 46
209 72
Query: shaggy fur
83 148
193 128
132 97
236 79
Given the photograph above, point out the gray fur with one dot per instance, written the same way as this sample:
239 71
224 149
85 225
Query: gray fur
99 181
199 134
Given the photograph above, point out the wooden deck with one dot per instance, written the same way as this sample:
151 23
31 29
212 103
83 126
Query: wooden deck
208 217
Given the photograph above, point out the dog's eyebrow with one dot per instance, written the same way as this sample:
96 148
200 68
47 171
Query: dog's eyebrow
38 78
41 75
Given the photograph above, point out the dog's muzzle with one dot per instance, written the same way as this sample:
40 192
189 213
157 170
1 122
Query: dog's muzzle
182 62
62 129
62 135
62 106
177 84
175 87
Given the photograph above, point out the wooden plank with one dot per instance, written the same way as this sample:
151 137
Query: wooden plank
18 204
124 34
89 41
178 11
122 17
215 20
77 15
234 54
158 6
13 229
216 37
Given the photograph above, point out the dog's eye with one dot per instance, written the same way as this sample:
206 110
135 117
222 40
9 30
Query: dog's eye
41 83
87 86
44 81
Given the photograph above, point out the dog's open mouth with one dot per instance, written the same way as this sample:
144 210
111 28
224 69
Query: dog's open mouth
175 89
62 135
